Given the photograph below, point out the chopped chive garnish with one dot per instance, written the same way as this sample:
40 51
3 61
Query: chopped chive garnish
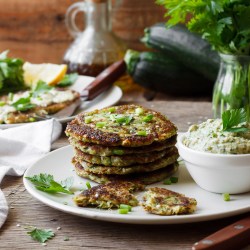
124 206
120 120
148 118
2 104
123 119
167 182
112 109
123 211
142 133
100 124
139 111
32 119
88 185
226 197
10 96
118 152
174 179
88 119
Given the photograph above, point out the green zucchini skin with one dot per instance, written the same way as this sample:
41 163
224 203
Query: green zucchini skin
157 72
186 47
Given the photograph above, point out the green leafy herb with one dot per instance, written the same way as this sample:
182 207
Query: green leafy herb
100 124
23 104
11 74
46 183
41 87
41 235
233 119
174 179
68 80
225 24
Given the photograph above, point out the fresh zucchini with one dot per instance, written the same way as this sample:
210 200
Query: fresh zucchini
156 71
185 47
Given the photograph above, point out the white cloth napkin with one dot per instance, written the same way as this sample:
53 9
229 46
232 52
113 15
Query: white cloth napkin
22 146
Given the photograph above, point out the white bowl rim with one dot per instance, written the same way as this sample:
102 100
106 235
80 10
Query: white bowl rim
193 151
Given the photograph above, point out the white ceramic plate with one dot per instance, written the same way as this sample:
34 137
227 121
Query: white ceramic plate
210 205
106 99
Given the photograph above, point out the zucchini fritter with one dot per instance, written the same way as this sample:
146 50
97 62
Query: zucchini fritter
170 157
127 125
145 178
101 150
162 201
110 195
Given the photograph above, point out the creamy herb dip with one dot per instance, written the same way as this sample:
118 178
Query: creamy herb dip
209 137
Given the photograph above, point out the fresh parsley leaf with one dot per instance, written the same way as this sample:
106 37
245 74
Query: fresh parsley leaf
68 80
41 87
23 104
46 183
232 120
41 235
11 74
225 24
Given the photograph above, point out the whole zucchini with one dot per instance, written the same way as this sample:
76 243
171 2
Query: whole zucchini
156 71
185 47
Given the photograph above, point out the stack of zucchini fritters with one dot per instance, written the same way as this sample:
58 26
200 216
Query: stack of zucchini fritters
124 143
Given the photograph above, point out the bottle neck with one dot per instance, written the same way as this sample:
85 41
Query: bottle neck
97 17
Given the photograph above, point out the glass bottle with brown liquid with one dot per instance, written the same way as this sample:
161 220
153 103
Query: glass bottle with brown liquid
96 47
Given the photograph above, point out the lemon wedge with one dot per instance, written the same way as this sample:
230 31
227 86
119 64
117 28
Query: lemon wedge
47 72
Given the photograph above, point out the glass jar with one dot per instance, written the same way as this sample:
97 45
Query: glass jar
232 87
95 48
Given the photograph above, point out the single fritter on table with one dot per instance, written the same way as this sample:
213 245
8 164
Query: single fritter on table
110 195
126 142
162 201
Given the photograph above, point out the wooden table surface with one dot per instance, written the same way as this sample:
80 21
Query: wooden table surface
91 234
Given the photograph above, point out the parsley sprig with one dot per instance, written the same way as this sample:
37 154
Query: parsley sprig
41 235
225 24
46 183
233 120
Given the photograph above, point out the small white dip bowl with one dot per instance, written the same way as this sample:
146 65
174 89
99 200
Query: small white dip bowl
218 173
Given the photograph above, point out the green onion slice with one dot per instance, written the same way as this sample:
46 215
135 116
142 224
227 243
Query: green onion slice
100 124
123 211
139 111
2 103
88 119
174 179
88 185
112 109
148 118
118 152
167 182
226 197
124 206
142 133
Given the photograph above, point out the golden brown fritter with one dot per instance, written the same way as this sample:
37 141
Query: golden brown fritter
101 150
127 125
162 201
170 157
119 161
109 195
145 178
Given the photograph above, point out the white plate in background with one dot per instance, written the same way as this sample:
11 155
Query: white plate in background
108 98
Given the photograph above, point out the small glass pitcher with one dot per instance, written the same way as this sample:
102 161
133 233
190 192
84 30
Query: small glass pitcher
95 48
232 88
